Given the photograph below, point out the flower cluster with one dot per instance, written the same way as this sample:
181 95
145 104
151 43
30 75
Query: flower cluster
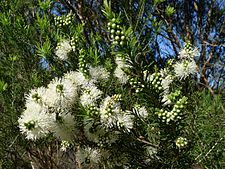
63 49
64 145
119 71
184 68
186 65
47 110
98 73
169 98
112 115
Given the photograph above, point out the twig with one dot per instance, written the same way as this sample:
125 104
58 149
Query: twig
212 44
146 142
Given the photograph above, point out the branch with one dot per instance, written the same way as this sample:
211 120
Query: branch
213 44
146 142
206 84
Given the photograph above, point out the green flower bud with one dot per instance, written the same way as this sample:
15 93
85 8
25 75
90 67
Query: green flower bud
117 38
115 42
117 32
113 25
121 43
122 37
112 31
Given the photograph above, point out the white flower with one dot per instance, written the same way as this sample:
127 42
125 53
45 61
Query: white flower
184 68
151 77
90 95
108 111
164 72
35 122
122 77
60 93
62 49
35 95
166 81
98 73
188 53
89 157
141 111
77 77
125 120
165 99
119 73
92 131
151 151
64 127
121 62
150 154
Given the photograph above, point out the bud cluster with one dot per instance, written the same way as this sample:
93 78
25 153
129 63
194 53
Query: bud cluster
82 62
103 140
116 32
181 142
63 20
30 125
174 96
116 98
175 113
93 110
156 80
136 84
170 62
188 46
74 41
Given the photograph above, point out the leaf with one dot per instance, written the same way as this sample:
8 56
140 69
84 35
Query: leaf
45 49
107 10
3 86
